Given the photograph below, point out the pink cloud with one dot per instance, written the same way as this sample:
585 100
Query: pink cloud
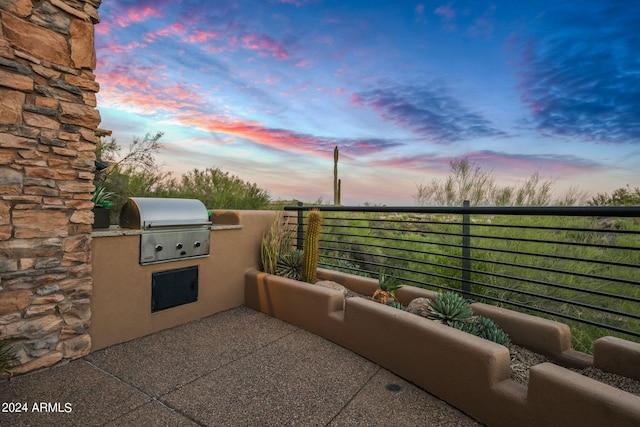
138 14
356 100
199 36
147 99
214 50
277 138
446 12
119 49
490 161
104 27
416 163
324 39
176 28
270 80
264 43
534 162
296 3
483 26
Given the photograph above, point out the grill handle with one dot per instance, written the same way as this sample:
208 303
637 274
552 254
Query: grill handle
174 224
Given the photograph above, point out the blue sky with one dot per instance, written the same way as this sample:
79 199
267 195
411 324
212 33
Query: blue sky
264 89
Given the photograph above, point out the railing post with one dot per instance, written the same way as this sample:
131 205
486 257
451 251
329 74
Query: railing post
300 229
466 252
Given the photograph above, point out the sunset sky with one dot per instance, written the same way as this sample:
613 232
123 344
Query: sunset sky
264 89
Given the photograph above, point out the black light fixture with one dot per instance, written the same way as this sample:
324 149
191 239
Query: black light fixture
100 165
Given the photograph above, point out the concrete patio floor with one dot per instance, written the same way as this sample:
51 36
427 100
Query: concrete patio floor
237 368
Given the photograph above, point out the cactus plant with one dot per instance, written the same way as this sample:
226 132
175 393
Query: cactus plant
448 308
336 181
387 287
310 255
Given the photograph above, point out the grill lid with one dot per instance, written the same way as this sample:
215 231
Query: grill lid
151 213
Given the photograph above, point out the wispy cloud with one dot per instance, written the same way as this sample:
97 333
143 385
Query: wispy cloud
531 163
586 88
286 140
446 12
430 112
483 25
265 43
139 12
495 161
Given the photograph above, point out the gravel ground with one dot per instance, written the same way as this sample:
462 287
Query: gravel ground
523 359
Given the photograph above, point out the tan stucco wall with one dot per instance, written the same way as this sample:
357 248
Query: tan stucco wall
468 372
121 301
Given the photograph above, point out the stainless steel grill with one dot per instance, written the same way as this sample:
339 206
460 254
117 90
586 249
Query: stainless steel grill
172 229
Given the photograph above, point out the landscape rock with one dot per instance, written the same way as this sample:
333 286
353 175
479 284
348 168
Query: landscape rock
74 348
39 363
419 306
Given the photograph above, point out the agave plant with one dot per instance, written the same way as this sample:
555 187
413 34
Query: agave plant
7 356
450 308
398 305
472 328
290 265
101 197
387 287
492 332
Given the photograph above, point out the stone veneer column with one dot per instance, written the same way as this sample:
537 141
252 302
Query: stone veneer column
47 152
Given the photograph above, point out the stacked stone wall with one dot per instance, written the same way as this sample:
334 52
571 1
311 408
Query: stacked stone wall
48 121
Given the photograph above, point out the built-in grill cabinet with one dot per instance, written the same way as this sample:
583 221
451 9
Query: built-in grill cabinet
173 288
172 229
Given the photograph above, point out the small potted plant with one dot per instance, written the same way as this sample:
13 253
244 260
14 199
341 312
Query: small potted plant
102 207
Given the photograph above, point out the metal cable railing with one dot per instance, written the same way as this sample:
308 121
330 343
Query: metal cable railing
576 264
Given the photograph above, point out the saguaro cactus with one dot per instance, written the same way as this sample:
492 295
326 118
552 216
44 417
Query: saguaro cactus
310 256
336 181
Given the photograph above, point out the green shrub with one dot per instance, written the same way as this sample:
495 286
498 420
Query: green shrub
343 265
275 244
137 173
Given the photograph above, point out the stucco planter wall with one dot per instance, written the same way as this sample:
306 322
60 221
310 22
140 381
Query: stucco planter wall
468 372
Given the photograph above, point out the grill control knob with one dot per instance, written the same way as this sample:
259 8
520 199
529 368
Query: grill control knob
158 248
197 244
179 246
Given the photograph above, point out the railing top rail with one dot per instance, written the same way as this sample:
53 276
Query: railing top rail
598 211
